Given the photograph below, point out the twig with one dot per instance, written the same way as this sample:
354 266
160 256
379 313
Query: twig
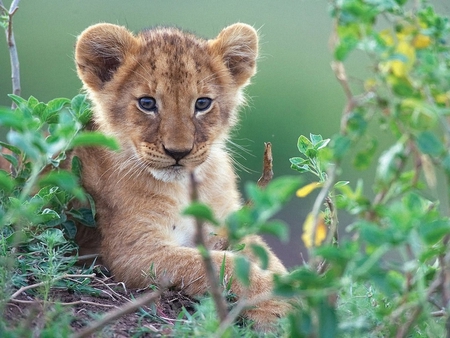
19 301
115 314
242 304
267 173
320 200
404 329
14 58
33 286
211 274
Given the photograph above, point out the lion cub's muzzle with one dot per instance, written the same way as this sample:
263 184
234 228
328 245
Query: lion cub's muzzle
177 154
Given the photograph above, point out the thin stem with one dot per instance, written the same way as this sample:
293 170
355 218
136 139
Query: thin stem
211 274
123 310
13 55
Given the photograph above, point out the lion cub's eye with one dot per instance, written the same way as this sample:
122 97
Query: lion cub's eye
147 104
202 104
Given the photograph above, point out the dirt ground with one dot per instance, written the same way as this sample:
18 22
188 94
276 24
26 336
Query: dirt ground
153 320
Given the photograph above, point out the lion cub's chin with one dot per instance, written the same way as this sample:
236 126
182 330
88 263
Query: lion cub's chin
171 174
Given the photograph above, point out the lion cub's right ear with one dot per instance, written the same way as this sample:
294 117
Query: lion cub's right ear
99 51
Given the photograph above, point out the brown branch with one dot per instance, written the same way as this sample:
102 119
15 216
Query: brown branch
210 269
115 314
267 173
404 329
13 55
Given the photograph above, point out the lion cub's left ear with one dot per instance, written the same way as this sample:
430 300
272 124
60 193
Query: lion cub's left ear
238 46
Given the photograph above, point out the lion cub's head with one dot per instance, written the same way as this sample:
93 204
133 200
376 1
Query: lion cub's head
168 96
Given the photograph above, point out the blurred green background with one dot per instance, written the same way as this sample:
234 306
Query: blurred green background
293 93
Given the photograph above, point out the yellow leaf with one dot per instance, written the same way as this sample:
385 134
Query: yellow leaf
442 98
387 37
398 68
421 41
308 231
407 50
307 189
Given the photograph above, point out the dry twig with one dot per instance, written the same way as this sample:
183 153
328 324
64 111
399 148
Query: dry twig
33 286
267 173
115 314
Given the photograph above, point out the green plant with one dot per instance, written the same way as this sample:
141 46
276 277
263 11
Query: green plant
397 249
36 226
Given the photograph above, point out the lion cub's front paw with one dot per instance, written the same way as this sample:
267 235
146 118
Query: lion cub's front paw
265 314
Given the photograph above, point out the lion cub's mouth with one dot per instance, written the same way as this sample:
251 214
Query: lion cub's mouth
175 172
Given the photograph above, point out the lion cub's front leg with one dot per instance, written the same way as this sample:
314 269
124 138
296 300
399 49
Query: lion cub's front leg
141 259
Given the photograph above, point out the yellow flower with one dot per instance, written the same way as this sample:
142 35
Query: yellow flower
308 229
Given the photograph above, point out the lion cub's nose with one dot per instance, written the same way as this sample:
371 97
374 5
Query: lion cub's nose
177 154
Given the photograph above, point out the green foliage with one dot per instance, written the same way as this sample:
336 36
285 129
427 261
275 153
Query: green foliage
397 253
36 194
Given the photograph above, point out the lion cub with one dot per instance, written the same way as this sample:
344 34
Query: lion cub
170 99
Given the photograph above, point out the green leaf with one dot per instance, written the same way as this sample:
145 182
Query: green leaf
81 108
345 46
261 253
276 228
56 105
8 146
11 159
340 184
281 189
202 212
340 146
429 144
12 119
434 231
94 139
327 319
242 270
39 111
387 163
19 101
76 166
315 139
65 180
49 217
303 144
372 233
300 164
364 158
30 143
322 144
53 109
70 229
84 216
52 237
6 182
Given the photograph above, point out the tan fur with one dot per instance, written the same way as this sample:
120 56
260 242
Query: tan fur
139 194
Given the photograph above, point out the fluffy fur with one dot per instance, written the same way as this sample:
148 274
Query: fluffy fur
141 190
